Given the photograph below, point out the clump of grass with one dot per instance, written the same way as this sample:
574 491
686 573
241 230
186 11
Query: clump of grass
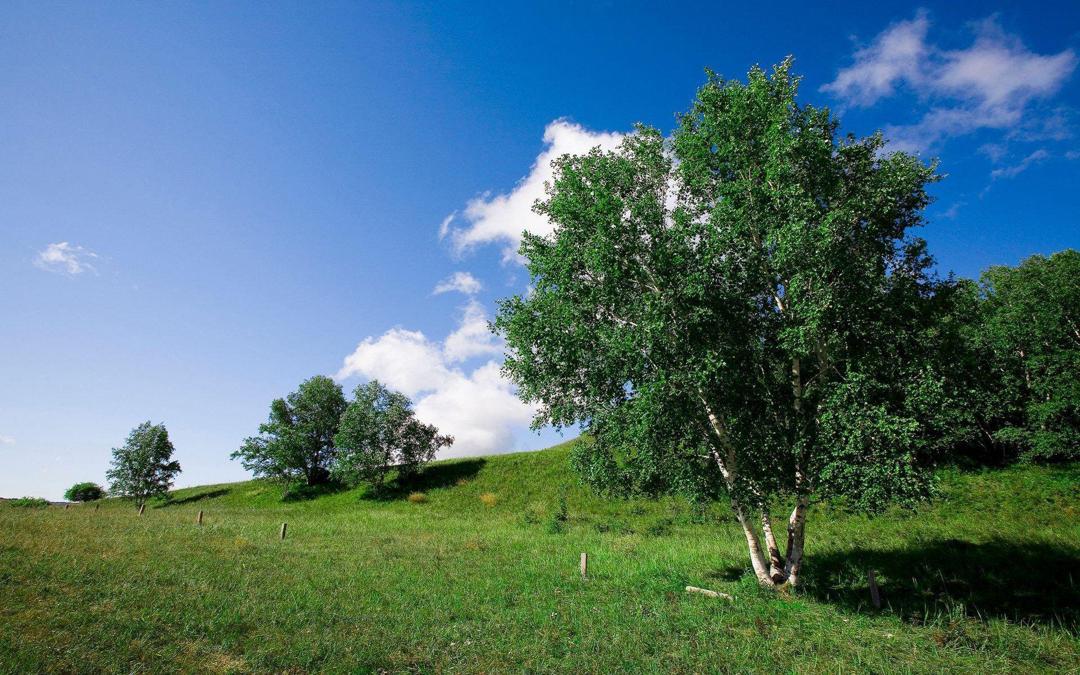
534 513
417 497
462 482
614 526
659 528
490 499
30 502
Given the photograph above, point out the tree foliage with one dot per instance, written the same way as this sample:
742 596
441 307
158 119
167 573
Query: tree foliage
84 492
1029 331
314 435
740 309
296 443
379 432
143 467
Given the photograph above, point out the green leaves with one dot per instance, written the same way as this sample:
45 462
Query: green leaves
314 435
705 302
143 467
1030 325
84 492
379 432
296 443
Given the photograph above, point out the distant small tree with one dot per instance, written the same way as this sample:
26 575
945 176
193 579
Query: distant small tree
296 443
379 432
143 467
84 492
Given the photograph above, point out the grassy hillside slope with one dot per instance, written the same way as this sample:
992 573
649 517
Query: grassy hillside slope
984 580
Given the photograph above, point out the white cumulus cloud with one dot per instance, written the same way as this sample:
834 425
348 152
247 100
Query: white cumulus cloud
65 258
501 218
472 337
988 85
462 282
402 359
477 406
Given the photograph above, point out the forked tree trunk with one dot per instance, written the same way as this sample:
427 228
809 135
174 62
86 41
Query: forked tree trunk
774 570
776 561
757 557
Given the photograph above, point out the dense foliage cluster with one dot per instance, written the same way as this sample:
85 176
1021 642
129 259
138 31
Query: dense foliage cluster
314 435
1012 356
379 431
84 492
296 443
143 467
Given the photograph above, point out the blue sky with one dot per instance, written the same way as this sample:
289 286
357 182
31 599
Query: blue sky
201 204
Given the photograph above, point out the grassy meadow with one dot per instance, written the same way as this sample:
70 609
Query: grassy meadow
476 573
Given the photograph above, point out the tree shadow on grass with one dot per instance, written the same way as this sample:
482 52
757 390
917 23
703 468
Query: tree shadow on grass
1022 582
430 478
304 492
729 573
197 497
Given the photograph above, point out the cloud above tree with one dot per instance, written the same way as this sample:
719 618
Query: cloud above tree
476 405
501 218
991 84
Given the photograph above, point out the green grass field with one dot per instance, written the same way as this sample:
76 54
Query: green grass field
981 580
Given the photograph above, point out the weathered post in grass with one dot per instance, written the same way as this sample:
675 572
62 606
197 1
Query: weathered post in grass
584 564
199 521
142 507
284 526
97 506
875 594
66 506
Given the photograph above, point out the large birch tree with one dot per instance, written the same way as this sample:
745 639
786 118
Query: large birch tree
736 310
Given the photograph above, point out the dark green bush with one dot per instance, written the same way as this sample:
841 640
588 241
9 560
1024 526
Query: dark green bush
84 492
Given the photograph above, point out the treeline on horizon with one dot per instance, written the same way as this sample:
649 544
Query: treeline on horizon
1008 349
1007 346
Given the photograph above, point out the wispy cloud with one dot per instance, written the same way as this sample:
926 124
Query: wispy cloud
990 84
898 54
7 440
1018 168
501 218
953 210
462 282
66 258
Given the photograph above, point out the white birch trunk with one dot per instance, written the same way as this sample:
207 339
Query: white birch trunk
796 538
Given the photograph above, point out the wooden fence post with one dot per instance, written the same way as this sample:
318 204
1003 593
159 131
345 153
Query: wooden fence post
584 564
284 526
875 594
142 507
200 518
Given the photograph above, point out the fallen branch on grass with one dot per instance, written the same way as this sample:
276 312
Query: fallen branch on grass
707 592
